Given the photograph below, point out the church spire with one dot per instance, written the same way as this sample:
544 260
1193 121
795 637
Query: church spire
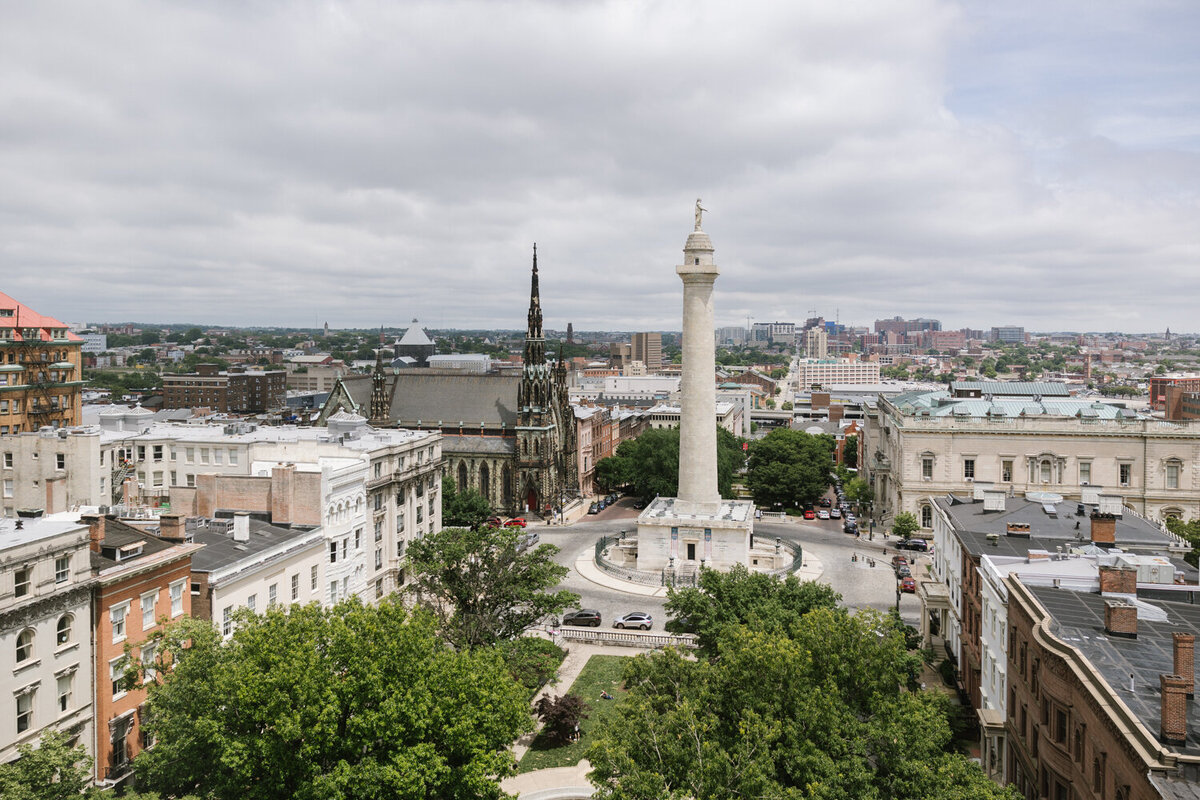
535 342
380 407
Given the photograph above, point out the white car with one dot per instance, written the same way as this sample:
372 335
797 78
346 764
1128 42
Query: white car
823 514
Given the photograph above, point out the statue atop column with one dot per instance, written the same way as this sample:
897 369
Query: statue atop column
699 213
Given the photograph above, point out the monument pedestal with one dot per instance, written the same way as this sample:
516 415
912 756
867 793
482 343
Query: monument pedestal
676 534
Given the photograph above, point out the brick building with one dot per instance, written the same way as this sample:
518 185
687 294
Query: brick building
236 390
41 372
1161 383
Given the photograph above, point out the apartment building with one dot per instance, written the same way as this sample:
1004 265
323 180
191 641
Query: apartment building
50 469
236 390
45 633
820 373
647 348
41 372
926 444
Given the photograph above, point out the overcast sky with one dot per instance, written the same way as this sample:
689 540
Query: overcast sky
364 163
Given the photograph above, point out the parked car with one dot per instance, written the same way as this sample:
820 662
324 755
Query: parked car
822 514
902 571
634 619
809 514
594 508
515 522
920 545
826 502
850 517
494 522
587 617
898 559
639 504
836 513
850 527
528 540
908 585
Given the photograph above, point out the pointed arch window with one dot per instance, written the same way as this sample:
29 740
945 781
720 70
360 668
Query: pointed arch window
485 482
462 475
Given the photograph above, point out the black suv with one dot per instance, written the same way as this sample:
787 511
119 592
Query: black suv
587 617
919 545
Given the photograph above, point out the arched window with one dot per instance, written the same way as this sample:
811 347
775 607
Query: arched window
506 486
63 634
926 516
24 645
485 484
462 475
1172 513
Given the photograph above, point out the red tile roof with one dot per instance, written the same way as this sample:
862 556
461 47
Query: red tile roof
24 317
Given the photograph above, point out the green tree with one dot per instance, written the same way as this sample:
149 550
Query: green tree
192 335
905 525
483 586
858 491
53 770
850 452
150 337
465 509
343 703
613 472
561 715
650 463
740 597
789 468
820 712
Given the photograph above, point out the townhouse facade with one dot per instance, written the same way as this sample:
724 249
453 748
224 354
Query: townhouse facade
41 370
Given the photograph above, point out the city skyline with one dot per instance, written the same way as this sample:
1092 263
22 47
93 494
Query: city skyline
360 163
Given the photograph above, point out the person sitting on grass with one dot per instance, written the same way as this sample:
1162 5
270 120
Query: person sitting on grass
605 695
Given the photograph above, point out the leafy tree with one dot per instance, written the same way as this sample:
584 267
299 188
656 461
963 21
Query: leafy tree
339 703
561 715
819 712
192 335
51 771
740 597
482 586
150 337
650 463
531 661
850 451
789 467
1190 532
787 405
858 491
465 509
905 525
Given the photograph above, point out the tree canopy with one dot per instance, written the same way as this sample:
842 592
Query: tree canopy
465 509
650 463
789 468
905 525
347 703
820 712
482 585
740 597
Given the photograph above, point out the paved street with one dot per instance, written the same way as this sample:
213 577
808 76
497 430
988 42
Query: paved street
860 584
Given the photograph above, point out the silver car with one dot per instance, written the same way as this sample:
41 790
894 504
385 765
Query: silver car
635 619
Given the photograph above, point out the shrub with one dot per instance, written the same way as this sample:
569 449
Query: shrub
531 661
561 715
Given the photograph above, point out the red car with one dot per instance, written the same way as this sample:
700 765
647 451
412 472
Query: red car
493 522
810 514
908 585
515 522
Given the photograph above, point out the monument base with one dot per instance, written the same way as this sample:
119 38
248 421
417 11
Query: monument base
674 534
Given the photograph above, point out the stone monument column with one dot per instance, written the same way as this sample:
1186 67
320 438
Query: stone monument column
698 421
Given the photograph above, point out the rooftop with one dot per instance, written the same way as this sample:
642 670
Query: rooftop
222 550
34 530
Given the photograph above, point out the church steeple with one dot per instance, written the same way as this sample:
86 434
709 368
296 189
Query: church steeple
380 407
535 342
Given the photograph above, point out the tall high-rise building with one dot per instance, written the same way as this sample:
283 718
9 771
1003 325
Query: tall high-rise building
647 348
42 370
816 343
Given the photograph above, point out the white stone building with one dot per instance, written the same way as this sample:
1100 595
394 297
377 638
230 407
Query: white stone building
821 372
46 649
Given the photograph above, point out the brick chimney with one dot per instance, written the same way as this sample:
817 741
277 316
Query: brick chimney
171 527
1174 709
1185 659
95 523
1118 580
1120 619
1104 528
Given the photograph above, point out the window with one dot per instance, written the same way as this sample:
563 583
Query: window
24 711
203 455
177 598
378 531
1172 476
1125 471
969 468
1045 470
62 569
379 588
1006 471
218 456
345 547
378 469
8 488
149 672
272 594
400 522
116 673
191 480
117 615
419 516
158 452
233 456
358 539
21 581
251 602
378 558
8 458
1085 473
927 468
333 592
62 631
24 645
295 587
926 517
65 685
60 461
377 501
149 601
227 621
1059 728
333 552
189 455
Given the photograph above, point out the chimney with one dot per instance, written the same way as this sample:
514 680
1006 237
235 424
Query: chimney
1118 580
1174 709
1185 659
1019 529
129 492
241 526
1120 619
1104 528
171 527
95 523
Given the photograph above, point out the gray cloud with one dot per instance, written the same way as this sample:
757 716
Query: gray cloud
367 162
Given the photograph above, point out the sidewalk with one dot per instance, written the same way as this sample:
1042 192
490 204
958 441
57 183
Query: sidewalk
810 570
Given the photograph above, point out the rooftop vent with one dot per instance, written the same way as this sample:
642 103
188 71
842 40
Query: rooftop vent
1110 504
979 488
993 500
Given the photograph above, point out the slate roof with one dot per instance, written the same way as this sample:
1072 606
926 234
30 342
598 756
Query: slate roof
118 534
220 550
430 396
478 445
414 336
1077 618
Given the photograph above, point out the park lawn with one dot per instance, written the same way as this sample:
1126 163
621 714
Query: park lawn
600 672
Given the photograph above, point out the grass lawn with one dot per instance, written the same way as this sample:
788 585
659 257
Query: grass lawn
600 672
